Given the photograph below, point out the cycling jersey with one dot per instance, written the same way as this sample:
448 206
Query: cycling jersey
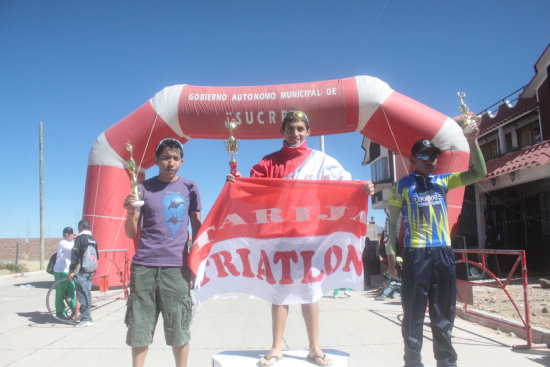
422 201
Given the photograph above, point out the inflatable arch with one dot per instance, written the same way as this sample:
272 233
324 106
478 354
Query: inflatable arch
361 103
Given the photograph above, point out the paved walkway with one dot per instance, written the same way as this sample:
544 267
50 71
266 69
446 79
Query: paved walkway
366 329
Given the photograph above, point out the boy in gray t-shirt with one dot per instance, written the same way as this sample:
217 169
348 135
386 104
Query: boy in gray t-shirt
159 266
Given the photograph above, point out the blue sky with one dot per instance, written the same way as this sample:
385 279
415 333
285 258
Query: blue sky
81 66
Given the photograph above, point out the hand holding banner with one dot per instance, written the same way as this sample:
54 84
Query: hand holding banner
287 241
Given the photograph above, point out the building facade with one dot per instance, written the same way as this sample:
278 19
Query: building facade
515 195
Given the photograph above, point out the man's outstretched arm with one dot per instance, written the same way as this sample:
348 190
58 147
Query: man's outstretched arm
477 169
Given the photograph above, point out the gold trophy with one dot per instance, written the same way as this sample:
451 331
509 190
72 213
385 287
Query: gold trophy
232 145
467 122
132 170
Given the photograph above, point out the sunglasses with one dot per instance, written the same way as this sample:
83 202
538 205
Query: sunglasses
296 115
426 157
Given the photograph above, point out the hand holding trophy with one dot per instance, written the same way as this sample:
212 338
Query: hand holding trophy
468 123
132 170
232 145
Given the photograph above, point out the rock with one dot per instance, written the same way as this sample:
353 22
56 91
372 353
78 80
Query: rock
544 310
544 283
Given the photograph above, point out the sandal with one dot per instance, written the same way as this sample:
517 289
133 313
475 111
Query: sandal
268 361
318 360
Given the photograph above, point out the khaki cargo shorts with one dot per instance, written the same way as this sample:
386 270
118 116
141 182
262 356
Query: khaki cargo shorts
155 290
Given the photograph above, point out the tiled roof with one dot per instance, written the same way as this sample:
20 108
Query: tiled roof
534 155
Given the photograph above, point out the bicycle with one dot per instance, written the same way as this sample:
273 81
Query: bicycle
72 311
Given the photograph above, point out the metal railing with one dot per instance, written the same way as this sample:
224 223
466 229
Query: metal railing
521 262
122 269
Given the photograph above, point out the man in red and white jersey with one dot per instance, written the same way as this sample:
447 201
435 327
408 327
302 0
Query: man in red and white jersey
296 161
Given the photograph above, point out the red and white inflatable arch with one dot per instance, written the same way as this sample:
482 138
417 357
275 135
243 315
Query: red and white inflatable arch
361 103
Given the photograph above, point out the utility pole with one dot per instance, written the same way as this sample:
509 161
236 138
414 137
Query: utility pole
41 196
322 143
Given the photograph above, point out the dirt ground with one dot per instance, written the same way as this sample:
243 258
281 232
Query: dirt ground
495 301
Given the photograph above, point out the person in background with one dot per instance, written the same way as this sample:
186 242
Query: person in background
336 292
81 243
64 291
371 263
392 286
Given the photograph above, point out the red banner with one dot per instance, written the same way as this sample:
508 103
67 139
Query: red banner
287 241
332 104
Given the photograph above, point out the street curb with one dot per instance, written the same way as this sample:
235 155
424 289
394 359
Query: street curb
539 335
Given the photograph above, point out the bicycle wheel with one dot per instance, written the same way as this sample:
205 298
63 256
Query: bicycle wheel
72 312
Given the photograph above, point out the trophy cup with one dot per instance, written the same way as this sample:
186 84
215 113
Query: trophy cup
232 145
132 170
467 122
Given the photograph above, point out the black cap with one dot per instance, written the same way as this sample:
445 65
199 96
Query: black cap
67 230
424 146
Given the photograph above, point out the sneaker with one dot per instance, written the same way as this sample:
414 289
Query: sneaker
380 297
85 324
347 293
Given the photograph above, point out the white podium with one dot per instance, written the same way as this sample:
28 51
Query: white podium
291 358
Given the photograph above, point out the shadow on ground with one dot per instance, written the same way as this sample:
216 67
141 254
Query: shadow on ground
38 317
42 285
541 356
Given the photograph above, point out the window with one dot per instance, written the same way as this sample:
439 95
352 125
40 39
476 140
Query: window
374 151
509 146
529 135
380 171
490 150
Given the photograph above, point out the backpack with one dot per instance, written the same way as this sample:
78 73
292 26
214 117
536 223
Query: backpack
89 258
51 263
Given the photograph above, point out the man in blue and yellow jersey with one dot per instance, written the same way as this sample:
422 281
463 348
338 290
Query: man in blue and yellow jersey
428 261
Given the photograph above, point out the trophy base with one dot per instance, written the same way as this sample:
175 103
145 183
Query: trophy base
138 203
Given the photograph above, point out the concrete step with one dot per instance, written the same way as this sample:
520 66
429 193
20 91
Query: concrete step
291 358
